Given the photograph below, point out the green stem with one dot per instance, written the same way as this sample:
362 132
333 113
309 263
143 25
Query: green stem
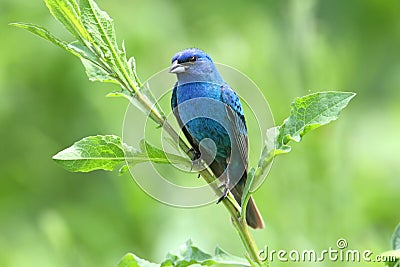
247 240
229 202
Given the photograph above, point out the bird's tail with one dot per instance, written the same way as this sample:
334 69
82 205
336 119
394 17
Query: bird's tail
253 216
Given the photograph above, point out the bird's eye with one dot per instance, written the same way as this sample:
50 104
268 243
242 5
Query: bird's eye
192 59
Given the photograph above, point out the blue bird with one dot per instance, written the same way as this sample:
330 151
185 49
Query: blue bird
210 115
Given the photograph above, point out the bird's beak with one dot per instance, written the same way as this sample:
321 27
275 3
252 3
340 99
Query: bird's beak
176 67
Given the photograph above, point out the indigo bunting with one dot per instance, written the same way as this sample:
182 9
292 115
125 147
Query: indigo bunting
211 117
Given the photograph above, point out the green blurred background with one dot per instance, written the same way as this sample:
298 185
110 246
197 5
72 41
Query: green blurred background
342 181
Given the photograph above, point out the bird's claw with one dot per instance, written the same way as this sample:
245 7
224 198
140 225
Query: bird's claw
195 158
224 193
221 185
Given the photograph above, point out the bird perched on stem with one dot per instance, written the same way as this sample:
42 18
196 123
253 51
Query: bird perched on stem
210 114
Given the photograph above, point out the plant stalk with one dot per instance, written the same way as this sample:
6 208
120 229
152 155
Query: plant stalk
229 202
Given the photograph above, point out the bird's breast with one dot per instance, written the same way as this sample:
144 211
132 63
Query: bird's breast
204 114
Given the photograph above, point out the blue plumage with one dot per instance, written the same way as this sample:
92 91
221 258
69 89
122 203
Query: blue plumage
207 125
207 108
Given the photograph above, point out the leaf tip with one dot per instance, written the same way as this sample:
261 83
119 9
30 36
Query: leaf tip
189 242
55 157
17 24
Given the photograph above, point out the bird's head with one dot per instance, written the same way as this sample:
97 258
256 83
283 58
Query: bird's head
192 65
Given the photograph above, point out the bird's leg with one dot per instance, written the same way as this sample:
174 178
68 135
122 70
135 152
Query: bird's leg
195 157
224 185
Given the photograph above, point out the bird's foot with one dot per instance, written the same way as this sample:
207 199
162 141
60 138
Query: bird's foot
224 185
195 158
224 193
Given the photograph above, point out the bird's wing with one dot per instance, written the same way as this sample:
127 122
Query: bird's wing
236 117
174 107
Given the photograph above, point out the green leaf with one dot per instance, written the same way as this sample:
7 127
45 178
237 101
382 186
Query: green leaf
312 111
84 52
96 73
68 13
131 64
396 237
101 152
106 152
156 155
123 94
271 149
96 70
272 146
93 66
189 255
223 257
124 169
100 27
153 152
131 260
145 90
42 32
307 113
98 50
